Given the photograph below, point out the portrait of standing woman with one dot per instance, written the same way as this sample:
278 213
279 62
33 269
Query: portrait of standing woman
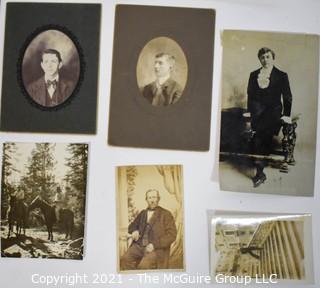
269 103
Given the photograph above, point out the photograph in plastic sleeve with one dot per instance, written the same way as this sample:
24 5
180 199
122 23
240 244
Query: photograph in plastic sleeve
43 194
150 219
261 248
269 112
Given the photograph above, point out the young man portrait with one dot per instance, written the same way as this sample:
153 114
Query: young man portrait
269 103
164 90
268 112
51 89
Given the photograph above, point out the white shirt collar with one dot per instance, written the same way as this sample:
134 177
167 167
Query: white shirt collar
266 71
55 78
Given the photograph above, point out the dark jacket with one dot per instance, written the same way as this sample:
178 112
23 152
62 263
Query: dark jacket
171 91
265 104
162 232
38 92
266 108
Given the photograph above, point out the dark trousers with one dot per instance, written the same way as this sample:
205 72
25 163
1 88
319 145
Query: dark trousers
137 258
262 145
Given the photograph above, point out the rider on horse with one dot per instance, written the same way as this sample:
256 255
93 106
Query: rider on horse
58 203
17 213
19 196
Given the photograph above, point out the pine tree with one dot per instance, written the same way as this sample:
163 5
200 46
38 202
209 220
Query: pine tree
76 178
39 179
9 151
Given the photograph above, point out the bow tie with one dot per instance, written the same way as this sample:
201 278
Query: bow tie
151 209
52 83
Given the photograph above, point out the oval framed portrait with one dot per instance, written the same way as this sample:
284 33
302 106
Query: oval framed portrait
50 67
162 72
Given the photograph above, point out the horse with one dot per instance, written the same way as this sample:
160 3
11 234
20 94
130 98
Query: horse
49 213
67 221
18 213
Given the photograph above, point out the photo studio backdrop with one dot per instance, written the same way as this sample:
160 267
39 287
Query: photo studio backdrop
200 169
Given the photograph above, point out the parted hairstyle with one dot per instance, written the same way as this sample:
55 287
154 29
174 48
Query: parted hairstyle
51 51
265 50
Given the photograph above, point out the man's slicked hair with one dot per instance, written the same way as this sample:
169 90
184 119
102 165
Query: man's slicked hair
51 51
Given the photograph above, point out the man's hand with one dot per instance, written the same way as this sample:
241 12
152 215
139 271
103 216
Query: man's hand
135 235
286 119
149 248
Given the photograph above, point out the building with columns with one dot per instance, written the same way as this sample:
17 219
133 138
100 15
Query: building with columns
261 249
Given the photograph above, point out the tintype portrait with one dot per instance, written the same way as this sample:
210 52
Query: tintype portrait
261 245
50 68
150 218
43 192
162 71
269 112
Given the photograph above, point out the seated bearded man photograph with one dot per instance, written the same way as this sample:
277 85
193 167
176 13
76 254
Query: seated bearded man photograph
153 231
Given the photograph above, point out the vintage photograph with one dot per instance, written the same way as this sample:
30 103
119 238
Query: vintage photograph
269 112
259 246
50 68
162 77
43 193
162 71
150 219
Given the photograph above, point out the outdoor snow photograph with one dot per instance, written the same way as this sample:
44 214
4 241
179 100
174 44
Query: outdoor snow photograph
43 193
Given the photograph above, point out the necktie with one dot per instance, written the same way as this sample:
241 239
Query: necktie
52 84
158 99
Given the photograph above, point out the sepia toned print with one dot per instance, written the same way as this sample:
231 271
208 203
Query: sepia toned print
268 112
150 218
43 196
261 246
50 68
162 71
155 77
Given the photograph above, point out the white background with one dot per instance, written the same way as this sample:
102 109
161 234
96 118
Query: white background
201 189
